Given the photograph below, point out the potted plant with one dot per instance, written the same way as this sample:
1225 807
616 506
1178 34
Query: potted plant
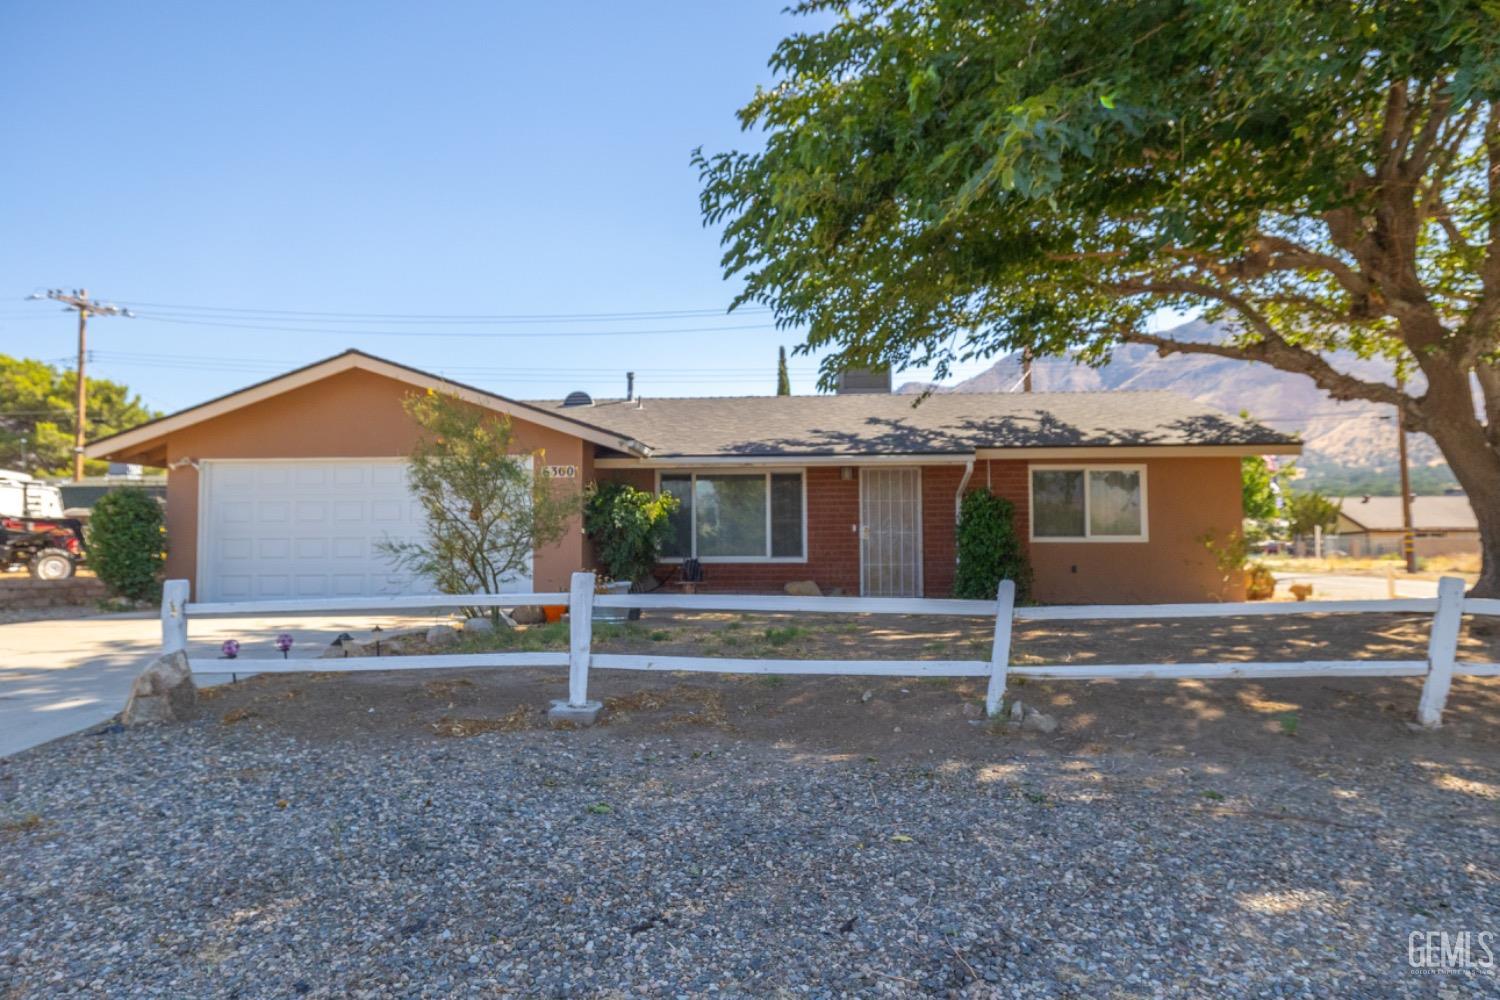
628 528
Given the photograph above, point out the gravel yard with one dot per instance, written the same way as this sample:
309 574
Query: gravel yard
399 834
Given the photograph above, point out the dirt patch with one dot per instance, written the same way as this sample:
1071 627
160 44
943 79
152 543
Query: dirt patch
520 717
917 637
1319 722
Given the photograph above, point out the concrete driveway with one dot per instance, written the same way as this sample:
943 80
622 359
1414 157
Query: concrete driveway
65 674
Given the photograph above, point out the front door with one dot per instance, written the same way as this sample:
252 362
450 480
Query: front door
890 532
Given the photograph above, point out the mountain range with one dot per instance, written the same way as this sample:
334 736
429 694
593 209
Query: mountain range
1343 442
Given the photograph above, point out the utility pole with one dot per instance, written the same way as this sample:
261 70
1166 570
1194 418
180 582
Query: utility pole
1408 538
79 301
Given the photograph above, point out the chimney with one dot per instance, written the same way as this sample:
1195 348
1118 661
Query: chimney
629 386
855 381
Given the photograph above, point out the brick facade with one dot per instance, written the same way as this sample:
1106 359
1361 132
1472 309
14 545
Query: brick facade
832 538
1187 500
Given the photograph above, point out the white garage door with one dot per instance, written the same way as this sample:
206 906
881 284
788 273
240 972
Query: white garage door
277 529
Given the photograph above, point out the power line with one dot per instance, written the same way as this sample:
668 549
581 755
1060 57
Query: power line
431 333
341 316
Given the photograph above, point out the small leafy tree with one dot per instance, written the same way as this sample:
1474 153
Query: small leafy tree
628 528
486 512
989 548
127 543
1257 487
1232 557
1308 511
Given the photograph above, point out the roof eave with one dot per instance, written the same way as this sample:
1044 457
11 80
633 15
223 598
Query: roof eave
152 433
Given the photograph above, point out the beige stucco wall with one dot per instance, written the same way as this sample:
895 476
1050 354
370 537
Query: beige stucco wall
355 414
1186 499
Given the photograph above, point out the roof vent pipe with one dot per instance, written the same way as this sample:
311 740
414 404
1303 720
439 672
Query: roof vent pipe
629 386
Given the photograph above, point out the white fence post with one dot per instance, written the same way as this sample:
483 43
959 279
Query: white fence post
1005 598
174 598
1442 650
581 635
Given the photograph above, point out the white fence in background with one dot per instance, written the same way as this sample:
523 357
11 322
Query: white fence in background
1441 664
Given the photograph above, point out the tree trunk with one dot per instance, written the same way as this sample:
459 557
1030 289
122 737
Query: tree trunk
1476 465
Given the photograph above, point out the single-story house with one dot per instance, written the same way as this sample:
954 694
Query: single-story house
1441 525
285 488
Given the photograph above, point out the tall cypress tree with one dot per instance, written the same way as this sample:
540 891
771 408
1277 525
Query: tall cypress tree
783 379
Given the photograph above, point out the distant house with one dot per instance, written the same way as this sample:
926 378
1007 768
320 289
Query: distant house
285 488
1442 525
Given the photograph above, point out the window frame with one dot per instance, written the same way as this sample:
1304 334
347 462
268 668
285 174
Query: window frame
1087 536
765 472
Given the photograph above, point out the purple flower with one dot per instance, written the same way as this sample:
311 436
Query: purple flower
284 643
230 649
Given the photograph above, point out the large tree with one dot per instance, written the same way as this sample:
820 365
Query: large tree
37 412
949 179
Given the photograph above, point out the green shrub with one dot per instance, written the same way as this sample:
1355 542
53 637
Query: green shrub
628 528
989 548
127 543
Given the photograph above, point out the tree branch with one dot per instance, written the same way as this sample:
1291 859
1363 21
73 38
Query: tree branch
1271 349
1339 385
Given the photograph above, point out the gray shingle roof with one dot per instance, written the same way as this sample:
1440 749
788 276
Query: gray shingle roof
945 424
1438 513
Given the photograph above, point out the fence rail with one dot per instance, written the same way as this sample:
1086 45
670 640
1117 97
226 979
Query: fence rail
1441 664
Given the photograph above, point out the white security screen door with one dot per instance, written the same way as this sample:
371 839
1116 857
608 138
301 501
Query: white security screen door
890 532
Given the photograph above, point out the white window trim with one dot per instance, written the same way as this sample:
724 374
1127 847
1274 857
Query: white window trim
765 473
1087 537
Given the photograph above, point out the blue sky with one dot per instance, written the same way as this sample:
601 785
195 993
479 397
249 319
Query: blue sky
477 159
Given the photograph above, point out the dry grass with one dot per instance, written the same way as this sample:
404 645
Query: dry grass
22 824
521 717
235 715
446 688
1466 563
1430 567
704 706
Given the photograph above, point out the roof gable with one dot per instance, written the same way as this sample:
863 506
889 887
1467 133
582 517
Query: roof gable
144 434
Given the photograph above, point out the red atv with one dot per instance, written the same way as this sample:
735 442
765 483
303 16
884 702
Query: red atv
33 532
49 550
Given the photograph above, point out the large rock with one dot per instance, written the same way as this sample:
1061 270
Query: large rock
1038 722
442 635
164 692
528 615
478 626
803 588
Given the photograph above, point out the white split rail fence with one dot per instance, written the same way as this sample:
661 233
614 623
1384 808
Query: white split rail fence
1441 664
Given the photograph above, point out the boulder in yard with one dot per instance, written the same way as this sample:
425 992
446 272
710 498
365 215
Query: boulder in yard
442 635
530 614
1038 722
803 588
481 623
164 692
